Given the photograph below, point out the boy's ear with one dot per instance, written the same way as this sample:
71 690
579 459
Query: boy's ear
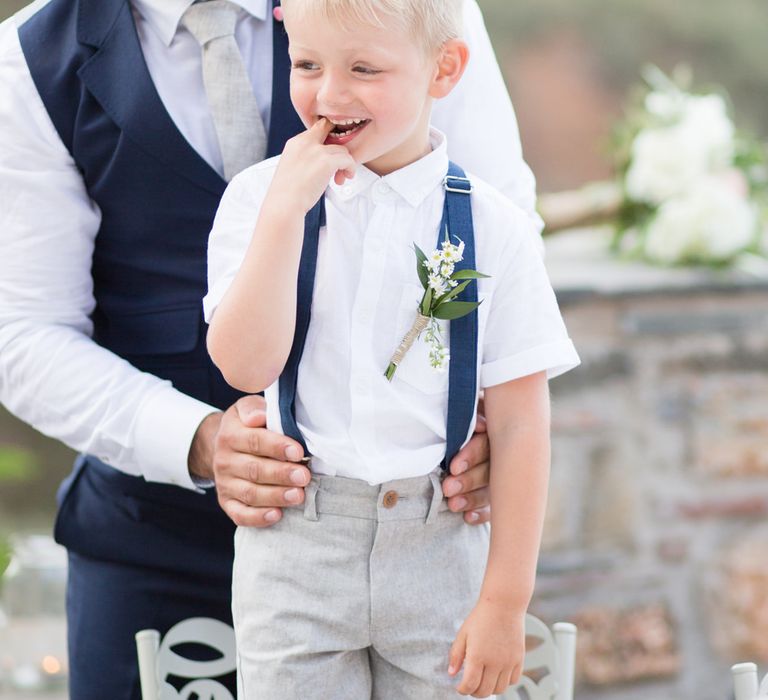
451 62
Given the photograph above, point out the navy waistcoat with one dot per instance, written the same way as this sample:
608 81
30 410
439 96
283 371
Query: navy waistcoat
157 196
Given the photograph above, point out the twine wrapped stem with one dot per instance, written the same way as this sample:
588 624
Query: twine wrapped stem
419 324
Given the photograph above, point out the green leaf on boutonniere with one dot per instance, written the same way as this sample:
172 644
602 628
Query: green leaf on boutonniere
456 309
426 302
458 289
468 275
421 268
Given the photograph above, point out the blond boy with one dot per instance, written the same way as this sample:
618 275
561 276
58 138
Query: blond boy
374 588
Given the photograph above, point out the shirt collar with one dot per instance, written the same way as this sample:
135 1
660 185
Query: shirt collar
164 15
413 183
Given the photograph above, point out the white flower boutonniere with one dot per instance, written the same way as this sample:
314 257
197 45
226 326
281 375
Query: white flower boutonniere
442 284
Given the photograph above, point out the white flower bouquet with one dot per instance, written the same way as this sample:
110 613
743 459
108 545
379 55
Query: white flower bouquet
695 191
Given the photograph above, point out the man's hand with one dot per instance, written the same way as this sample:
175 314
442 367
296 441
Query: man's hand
256 471
467 487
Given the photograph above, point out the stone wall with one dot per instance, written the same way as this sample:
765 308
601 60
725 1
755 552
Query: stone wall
656 538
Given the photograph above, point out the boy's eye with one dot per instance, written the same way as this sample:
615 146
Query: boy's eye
365 70
304 65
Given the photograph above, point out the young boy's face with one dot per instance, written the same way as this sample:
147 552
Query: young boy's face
377 76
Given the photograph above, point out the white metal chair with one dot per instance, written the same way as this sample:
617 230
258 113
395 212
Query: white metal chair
549 666
745 683
158 660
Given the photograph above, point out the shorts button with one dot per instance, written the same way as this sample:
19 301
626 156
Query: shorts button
390 499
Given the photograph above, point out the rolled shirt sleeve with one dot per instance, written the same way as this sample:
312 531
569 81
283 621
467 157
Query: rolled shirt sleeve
525 332
52 374
233 229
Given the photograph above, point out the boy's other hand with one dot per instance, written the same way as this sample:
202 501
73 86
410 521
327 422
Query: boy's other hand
257 471
470 470
307 166
490 645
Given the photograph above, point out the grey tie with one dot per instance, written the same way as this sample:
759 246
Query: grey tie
235 112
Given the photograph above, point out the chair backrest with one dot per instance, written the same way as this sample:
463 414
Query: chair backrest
745 683
158 660
549 665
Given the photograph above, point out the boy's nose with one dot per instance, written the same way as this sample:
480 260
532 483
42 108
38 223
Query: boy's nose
333 91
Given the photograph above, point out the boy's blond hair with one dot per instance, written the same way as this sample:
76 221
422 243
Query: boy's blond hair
430 22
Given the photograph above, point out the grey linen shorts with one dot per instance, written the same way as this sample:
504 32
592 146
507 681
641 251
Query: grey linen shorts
356 595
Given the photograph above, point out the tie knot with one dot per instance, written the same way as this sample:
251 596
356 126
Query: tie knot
210 20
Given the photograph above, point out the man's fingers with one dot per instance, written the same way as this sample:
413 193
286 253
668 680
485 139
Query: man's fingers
477 477
252 411
476 451
481 425
261 496
477 517
475 501
264 443
250 517
269 472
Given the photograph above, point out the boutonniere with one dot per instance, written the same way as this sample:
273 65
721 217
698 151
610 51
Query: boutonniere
277 13
442 284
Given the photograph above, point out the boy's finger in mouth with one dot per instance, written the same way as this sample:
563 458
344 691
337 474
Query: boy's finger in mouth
344 130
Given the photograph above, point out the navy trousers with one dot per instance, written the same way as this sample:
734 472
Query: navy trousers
140 556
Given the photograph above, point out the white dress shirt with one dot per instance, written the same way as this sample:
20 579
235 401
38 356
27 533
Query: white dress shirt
52 375
356 423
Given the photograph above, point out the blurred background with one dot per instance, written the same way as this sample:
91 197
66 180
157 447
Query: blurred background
656 541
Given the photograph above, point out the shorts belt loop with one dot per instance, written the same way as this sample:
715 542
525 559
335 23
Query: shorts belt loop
310 500
437 496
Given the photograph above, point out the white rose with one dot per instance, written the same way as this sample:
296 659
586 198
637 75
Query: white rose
667 160
706 117
710 223
664 163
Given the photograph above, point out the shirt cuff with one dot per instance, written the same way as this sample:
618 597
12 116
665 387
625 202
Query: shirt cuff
556 358
166 423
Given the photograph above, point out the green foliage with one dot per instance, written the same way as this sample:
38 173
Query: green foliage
17 464
5 555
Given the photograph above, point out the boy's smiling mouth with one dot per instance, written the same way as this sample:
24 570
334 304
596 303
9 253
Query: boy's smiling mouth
344 130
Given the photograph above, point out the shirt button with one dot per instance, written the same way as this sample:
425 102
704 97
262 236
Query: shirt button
390 499
382 187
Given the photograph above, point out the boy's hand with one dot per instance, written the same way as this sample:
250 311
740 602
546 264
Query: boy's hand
491 646
307 166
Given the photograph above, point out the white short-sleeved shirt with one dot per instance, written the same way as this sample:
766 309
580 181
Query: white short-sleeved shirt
355 422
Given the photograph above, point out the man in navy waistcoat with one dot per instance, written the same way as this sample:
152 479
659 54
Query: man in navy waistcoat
110 174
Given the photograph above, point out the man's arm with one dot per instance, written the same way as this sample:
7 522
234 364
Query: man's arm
52 375
480 122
